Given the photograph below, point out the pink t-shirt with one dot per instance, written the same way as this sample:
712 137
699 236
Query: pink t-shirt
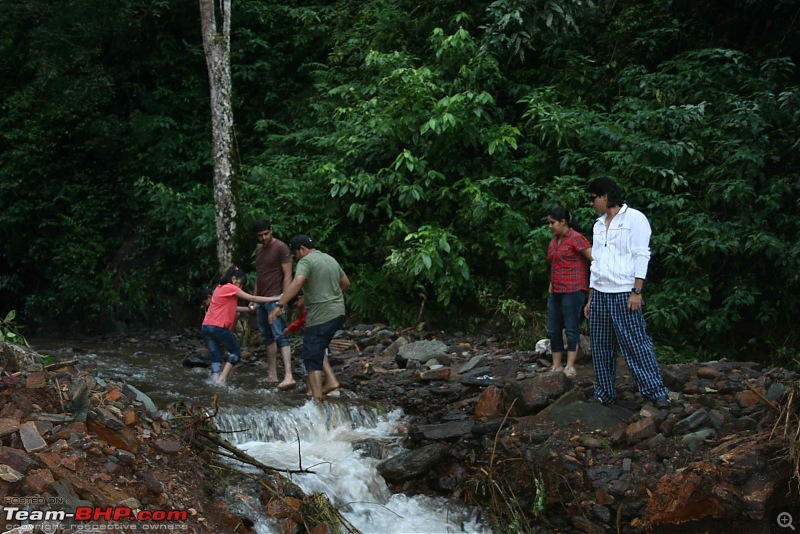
222 310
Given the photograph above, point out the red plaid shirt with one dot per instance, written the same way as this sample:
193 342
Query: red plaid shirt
569 270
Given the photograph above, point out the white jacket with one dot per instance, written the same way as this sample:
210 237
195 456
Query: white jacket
621 254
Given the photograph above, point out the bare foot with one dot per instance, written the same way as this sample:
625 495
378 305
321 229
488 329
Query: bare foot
286 384
329 388
272 379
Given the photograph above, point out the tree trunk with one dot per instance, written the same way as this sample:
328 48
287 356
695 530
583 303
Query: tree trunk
216 44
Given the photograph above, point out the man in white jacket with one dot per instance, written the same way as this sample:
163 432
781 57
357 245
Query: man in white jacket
621 254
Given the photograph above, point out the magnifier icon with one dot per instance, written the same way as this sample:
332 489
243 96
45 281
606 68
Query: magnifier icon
785 520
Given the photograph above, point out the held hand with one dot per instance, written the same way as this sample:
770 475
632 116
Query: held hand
634 302
285 331
277 311
586 310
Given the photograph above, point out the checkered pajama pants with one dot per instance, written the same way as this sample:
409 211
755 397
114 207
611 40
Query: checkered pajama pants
612 325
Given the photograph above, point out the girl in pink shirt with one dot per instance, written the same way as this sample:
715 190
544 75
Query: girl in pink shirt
219 320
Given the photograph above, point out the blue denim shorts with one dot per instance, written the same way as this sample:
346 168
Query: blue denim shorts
271 332
316 341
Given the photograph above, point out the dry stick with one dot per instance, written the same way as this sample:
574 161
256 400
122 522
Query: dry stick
60 398
53 366
497 434
299 454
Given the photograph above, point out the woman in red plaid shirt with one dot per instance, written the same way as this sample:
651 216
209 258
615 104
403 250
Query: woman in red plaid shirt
569 255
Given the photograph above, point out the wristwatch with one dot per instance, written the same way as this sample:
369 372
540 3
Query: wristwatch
637 290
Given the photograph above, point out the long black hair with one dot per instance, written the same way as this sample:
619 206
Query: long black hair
230 272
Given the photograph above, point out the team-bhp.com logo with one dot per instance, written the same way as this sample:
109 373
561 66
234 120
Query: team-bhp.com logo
88 513
87 518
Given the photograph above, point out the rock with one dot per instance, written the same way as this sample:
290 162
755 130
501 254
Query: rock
693 440
449 430
747 398
16 459
675 377
474 362
640 430
8 426
534 394
412 464
169 446
603 474
38 481
37 380
709 373
9 474
19 358
394 346
776 392
197 359
141 397
595 416
490 404
422 351
693 421
31 439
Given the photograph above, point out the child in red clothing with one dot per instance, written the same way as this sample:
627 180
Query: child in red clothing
218 323
298 302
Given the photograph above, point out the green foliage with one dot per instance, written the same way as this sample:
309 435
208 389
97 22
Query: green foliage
420 144
9 330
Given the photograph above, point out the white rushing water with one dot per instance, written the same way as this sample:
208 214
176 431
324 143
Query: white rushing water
329 441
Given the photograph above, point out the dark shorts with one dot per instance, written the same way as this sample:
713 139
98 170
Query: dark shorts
316 340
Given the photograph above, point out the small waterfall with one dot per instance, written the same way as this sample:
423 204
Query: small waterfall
335 442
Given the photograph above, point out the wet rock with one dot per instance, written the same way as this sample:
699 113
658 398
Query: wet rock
445 431
197 359
675 377
412 464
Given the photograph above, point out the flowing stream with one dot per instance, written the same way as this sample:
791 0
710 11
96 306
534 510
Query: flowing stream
341 441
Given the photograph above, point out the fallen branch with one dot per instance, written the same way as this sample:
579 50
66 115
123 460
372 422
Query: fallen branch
54 366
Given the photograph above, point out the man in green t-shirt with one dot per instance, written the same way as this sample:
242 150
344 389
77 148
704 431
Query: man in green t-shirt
323 282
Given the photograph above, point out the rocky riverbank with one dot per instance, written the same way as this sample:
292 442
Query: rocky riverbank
489 425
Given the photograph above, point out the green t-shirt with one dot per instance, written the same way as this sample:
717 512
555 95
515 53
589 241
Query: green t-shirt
323 295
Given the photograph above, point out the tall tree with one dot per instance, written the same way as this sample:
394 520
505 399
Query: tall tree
215 17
